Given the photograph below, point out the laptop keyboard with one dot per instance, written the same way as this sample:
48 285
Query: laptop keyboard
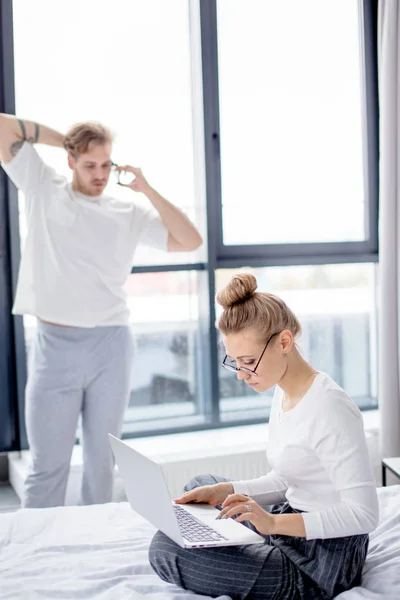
193 530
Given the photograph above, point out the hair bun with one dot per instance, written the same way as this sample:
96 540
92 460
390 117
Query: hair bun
240 288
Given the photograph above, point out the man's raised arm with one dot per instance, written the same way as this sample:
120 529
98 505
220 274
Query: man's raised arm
14 132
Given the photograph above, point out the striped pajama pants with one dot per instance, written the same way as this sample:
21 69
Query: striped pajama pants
284 568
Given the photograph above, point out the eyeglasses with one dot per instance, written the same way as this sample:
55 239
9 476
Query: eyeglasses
230 364
123 177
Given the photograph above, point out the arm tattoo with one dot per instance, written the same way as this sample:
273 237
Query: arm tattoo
16 147
23 130
36 139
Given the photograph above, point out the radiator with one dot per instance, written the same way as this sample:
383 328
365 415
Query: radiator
244 465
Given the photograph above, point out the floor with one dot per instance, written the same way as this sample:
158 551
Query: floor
9 500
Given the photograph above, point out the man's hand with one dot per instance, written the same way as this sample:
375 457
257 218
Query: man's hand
139 182
182 234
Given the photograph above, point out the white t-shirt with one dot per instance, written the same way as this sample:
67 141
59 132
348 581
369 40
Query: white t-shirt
320 463
78 250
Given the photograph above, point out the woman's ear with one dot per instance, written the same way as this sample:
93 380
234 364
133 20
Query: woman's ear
286 342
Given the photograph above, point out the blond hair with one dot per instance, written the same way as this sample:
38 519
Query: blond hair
245 308
81 135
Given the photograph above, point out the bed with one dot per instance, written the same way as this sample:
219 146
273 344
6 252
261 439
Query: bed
100 552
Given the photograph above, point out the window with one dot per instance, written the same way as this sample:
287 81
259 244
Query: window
291 124
259 119
336 307
168 366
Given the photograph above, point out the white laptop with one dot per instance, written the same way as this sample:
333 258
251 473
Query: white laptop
189 525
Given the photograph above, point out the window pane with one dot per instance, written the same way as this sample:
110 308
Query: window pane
127 65
291 121
167 368
336 307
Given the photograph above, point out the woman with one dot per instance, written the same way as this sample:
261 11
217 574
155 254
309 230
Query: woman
316 506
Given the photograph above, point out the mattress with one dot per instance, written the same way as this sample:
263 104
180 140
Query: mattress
100 552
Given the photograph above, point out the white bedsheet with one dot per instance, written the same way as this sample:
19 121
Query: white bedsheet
100 552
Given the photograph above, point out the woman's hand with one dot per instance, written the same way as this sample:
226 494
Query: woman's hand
248 510
210 494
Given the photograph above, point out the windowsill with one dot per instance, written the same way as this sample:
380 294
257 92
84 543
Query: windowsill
218 442
211 442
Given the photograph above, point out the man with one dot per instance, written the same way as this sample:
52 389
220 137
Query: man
77 256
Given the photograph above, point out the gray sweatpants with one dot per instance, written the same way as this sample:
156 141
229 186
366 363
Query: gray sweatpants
75 371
